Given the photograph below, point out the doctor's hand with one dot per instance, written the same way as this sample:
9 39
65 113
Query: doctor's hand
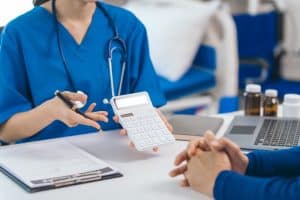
155 149
59 111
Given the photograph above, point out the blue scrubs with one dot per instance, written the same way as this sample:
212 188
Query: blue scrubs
32 69
270 175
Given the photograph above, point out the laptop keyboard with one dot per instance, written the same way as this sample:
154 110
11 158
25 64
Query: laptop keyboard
279 133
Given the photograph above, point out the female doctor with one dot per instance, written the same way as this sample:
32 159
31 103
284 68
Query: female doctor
66 45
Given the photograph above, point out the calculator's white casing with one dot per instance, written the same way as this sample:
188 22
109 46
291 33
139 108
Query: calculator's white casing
146 107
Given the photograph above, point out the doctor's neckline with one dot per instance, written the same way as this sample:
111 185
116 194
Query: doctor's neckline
50 14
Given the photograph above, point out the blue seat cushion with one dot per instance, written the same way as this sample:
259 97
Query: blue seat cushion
206 57
196 80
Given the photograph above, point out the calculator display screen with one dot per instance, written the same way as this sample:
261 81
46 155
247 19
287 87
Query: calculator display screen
122 103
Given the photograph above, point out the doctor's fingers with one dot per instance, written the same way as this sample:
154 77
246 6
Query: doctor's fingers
98 116
116 119
75 96
155 149
169 126
75 118
123 132
91 108
131 144
165 120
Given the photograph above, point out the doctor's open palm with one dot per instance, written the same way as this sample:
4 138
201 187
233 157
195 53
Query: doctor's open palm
59 111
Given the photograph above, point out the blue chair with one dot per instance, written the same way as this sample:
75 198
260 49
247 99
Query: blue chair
257 39
259 36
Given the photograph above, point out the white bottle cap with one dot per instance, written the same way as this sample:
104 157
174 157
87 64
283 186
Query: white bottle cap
271 93
292 99
253 88
253 7
291 106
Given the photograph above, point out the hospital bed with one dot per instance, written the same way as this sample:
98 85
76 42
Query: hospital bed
212 81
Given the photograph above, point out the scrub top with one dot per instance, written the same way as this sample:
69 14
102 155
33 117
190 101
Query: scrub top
32 69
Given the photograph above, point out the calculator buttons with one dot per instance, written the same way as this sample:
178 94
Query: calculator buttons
146 129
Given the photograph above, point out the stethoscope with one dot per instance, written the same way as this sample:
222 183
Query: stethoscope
116 39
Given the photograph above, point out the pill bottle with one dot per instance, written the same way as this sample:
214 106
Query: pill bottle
270 105
253 100
291 106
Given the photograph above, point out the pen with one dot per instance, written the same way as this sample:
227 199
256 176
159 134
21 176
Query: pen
71 105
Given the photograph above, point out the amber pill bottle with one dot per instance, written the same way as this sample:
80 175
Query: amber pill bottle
270 105
253 100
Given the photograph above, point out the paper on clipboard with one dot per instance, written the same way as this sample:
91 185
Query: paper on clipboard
44 163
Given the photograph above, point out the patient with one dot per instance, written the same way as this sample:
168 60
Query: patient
219 169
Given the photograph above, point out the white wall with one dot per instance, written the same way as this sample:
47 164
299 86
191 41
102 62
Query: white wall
9 9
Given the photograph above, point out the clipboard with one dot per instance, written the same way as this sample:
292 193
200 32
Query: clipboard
21 163
44 188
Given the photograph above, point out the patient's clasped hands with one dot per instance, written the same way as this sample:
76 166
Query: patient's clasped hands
204 159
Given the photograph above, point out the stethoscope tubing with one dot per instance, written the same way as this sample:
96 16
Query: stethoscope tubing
111 49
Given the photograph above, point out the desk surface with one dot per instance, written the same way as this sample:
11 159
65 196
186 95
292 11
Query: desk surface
145 174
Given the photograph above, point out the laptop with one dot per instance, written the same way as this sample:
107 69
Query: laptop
264 133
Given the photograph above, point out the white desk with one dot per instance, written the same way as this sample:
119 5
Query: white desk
145 174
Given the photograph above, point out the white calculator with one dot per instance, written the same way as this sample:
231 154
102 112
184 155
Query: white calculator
143 124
